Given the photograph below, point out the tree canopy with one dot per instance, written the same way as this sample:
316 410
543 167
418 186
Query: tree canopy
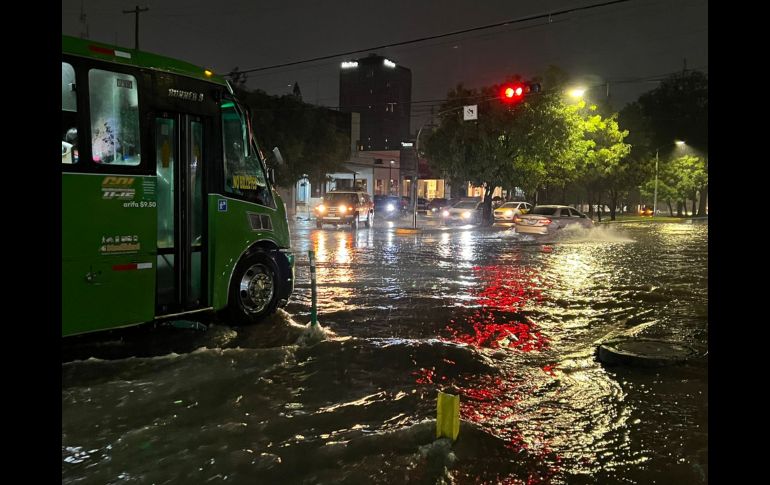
311 140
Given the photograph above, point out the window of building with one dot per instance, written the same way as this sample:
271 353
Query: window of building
114 99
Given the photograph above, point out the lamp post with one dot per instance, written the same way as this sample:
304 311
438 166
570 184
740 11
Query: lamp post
655 197
390 178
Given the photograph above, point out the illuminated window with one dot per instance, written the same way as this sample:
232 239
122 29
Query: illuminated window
114 99
69 115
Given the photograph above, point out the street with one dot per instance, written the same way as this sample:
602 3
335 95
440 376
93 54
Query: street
506 321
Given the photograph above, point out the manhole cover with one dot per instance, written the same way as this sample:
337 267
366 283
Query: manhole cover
644 352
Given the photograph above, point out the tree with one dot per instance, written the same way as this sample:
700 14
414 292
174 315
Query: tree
310 141
604 169
678 109
525 145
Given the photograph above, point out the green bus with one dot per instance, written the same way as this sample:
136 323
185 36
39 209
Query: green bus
168 207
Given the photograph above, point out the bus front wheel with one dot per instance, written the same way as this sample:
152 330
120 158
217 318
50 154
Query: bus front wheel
254 289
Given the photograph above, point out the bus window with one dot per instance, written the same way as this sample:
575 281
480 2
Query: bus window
244 175
69 111
114 118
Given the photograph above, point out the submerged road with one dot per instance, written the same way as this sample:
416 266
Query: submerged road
507 322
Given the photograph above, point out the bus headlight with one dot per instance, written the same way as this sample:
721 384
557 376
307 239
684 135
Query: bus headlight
390 207
321 209
342 209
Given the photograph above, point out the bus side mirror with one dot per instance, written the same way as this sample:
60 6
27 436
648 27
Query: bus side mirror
271 176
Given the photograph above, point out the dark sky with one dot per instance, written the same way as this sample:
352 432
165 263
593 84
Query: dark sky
625 44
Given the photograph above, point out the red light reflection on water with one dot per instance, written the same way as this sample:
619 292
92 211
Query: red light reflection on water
492 401
506 289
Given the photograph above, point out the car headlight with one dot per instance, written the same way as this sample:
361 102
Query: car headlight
433 209
445 213
342 209
321 209
390 207
508 213
466 215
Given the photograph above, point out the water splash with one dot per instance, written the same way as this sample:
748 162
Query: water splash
575 233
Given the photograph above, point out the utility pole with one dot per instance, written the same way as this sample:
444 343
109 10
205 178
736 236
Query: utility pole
136 12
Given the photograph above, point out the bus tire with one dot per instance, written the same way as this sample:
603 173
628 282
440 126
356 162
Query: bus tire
254 289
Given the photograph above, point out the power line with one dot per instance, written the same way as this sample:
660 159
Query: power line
422 39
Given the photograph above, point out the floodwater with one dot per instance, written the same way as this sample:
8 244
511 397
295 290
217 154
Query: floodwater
508 322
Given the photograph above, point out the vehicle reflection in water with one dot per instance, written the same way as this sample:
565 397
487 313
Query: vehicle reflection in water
334 255
466 246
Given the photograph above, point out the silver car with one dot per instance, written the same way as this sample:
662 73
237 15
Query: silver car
507 211
465 212
547 219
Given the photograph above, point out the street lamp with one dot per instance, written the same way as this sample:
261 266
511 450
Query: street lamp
390 178
577 92
655 197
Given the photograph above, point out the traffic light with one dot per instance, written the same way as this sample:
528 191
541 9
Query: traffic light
515 92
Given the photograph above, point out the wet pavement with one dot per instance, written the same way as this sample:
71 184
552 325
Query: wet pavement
509 322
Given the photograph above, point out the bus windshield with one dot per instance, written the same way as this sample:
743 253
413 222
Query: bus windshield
244 172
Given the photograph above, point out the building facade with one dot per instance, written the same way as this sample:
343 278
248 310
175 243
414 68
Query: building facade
381 91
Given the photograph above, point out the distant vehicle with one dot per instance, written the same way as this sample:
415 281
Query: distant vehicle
388 206
422 204
465 211
345 207
435 205
645 212
547 219
507 211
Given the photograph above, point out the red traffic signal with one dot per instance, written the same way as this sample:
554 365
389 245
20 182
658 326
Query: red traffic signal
512 93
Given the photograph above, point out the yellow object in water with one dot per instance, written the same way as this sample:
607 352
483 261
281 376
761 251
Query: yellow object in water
448 416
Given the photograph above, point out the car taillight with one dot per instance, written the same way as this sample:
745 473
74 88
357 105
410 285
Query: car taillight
350 208
517 219
545 222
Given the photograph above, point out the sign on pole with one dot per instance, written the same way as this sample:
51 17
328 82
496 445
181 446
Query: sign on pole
470 112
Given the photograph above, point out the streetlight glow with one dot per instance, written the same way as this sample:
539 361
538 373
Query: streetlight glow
577 92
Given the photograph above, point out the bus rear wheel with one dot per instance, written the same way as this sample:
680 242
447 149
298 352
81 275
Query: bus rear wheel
254 289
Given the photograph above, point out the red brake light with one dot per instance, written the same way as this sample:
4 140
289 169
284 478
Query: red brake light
545 222
517 219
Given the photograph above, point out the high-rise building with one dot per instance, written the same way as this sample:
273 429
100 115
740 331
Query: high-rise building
381 91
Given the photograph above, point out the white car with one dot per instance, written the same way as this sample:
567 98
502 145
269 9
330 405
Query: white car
547 219
507 211
465 212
